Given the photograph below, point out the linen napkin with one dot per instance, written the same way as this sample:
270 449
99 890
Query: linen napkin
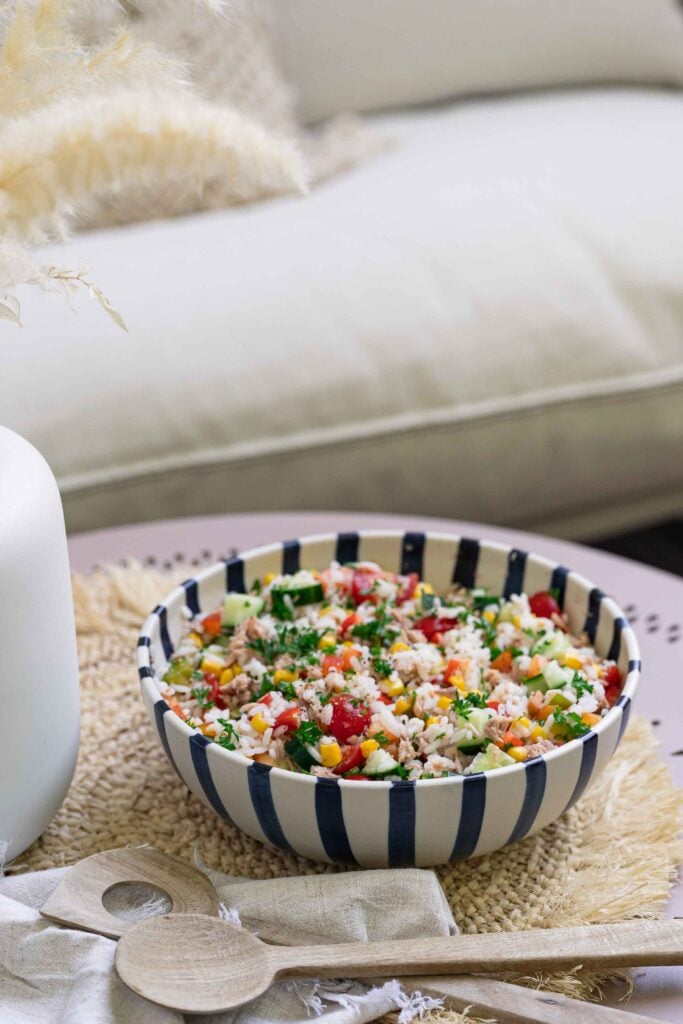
50 974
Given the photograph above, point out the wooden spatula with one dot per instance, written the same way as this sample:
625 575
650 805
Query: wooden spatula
77 901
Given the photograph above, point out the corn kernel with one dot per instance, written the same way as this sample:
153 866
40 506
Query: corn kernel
268 578
327 640
228 674
458 681
259 723
213 665
326 610
395 648
367 747
284 676
348 643
490 616
330 754
432 720
444 703
571 660
422 588
402 706
588 718
518 753
537 733
523 721
392 687
196 639
517 623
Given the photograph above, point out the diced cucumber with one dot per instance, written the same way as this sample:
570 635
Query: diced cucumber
178 672
538 682
554 646
487 760
555 676
300 754
468 747
380 762
238 607
297 595
559 699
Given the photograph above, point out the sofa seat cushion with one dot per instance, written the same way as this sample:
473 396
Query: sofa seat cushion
485 321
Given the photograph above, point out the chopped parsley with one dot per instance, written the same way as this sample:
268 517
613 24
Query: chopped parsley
308 732
228 738
570 724
381 738
378 629
297 642
464 706
200 693
580 685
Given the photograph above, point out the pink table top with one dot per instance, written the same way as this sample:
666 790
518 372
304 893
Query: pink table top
653 600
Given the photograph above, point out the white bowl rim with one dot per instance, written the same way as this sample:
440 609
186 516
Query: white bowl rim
151 624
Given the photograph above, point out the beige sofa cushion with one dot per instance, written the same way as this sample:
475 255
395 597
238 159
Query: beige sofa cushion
484 322
374 54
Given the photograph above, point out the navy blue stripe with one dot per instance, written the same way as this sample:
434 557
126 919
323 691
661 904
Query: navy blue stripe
590 626
402 824
465 569
262 801
412 552
558 582
347 548
589 750
290 556
144 641
160 612
615 646
535 774
160 709
200 760
234 576
145 672
625 704
514 581
192 596
330 819
633 665
471 816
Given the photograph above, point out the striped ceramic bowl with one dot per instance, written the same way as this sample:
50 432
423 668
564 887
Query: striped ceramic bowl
379 824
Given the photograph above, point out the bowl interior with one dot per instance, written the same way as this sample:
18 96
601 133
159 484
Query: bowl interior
441 559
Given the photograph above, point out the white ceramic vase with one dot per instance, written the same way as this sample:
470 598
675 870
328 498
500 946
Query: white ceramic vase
39 689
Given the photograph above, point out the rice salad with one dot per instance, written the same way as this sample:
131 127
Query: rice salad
360 673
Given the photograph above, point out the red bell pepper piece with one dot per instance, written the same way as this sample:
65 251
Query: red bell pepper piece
211 624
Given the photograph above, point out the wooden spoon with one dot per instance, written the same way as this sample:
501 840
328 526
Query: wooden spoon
200 964
77 902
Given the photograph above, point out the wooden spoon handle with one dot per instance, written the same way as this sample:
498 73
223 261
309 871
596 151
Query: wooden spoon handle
513 1004
636 943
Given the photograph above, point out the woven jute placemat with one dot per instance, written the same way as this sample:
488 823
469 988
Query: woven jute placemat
610 858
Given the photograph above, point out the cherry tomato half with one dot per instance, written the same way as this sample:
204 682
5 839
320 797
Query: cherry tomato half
544 605
405 594
349 717
362 586
290 718
352 757
433 624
